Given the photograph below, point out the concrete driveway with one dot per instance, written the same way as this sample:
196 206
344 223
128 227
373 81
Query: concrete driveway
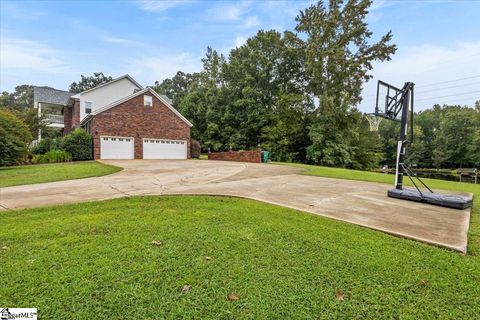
361 203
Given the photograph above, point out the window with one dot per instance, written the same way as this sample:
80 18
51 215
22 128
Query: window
147 101
88 107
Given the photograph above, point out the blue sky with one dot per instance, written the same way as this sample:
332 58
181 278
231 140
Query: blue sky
54 42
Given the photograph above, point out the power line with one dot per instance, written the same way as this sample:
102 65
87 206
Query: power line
452 101
449 95
442 82
456 86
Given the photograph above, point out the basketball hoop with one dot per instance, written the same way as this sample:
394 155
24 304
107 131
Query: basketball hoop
373 121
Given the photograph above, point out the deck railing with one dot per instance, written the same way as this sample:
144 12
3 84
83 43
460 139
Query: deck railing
54 118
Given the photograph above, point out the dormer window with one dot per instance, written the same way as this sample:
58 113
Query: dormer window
88 107
147 101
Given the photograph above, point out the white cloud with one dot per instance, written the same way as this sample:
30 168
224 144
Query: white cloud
427 64
150 69
17 54
230 11
161 5
18 12
121 41
251 22
240 41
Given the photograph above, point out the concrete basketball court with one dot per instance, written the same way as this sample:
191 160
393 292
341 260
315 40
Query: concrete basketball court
357 202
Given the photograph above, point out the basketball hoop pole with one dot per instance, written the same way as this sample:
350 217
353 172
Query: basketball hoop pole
399 170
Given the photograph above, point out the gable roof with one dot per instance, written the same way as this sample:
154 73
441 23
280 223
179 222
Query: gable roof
51 95
127 76
150 90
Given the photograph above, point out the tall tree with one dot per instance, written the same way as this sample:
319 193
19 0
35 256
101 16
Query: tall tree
338 55
177 87
270 108
89 82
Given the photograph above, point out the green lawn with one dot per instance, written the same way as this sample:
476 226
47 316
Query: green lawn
97 260
39 173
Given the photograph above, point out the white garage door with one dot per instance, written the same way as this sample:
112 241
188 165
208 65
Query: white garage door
164 149
116 148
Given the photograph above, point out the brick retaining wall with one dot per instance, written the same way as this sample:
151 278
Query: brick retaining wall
242 156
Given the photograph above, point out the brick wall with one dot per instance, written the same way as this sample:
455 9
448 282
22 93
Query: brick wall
71 117
132 119
67 120
76 114
242 156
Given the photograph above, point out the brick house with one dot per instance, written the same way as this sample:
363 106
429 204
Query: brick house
125 120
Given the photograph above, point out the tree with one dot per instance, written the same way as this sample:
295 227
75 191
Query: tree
270 107
338 56
14 139
86 83
205 102
456 142
176 88
79 144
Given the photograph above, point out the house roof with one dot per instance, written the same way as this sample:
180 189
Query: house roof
135 94
50 95
110 82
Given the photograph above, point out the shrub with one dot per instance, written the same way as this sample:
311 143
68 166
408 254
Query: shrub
14 139
195 149
52 156
79 144
45 145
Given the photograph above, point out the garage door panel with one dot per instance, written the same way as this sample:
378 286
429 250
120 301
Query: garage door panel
116 147
164 149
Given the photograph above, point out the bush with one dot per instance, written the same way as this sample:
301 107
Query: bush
52 156
45 145
14 139
195 149
79 144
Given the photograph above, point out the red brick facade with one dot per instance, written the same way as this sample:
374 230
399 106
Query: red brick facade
71 117
67 120
242 156
132 119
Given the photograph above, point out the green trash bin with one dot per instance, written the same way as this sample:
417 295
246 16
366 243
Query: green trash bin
265 156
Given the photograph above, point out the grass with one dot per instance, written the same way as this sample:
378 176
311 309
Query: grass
39 173
96 260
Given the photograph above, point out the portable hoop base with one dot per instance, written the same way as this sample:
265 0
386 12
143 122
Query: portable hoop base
444 200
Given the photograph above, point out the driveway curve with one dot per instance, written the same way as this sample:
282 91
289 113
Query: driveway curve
357 202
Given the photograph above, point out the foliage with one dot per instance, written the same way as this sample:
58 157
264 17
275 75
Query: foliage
79 144
195 149
21 99
54 155
47 144
14 138
89 82
177 87
444 137
336 71
264 92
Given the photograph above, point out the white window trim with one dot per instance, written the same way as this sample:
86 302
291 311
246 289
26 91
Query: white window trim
146 99
85 107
